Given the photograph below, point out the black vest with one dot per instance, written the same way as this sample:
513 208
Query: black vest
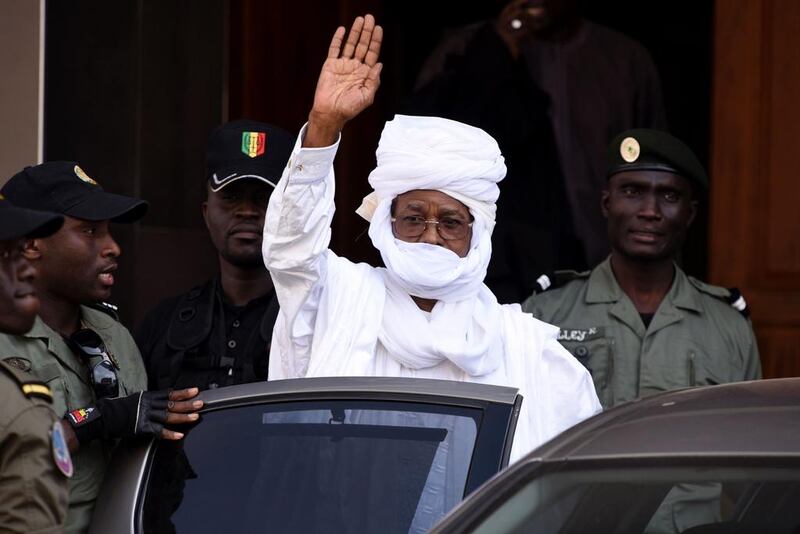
193 351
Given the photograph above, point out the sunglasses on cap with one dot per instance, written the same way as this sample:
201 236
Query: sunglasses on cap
88 345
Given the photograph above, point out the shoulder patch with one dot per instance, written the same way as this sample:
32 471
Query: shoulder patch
731 295
27 383
105 307
61 455
556 279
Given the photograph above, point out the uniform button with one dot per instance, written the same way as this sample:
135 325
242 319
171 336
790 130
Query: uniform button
232 344
581 351
236 323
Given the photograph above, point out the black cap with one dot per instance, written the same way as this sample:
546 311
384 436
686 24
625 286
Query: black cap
247 149
654 150
62 187
16 222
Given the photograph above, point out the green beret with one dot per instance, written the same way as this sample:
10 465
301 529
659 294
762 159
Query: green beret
654 150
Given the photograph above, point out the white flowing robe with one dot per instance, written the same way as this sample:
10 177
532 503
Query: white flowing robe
331 311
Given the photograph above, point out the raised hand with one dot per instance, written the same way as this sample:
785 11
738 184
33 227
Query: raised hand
348 81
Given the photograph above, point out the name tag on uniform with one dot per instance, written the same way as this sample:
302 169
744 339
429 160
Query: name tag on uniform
580 334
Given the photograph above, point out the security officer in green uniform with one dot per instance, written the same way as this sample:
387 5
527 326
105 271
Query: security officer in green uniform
637 321
77 347
34 460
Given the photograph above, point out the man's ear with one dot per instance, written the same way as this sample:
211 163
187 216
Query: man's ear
31 249
605 199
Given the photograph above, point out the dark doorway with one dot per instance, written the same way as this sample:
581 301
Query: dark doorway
132 90
678 35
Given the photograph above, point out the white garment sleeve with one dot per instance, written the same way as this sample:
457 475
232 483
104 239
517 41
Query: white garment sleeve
295 246
557 390
558 395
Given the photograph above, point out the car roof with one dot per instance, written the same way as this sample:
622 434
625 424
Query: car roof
369 386
756 418
756 422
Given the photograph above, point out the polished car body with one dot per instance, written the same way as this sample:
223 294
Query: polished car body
314 455
701 460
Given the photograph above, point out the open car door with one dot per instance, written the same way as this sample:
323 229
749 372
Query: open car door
360 454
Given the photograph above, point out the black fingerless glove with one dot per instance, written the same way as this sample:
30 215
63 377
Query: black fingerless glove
140 414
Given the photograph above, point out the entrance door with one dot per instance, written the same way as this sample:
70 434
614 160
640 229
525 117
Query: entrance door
755 170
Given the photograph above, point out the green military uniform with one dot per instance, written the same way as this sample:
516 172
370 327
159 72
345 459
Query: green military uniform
695 337
52 362
33 488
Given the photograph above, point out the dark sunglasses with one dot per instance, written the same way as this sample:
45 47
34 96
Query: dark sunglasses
87 344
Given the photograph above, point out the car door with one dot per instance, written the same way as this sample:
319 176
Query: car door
327 455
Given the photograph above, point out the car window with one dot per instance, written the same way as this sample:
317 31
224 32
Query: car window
334 466
696 500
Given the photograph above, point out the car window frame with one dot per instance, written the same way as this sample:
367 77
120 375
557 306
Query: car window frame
499 406
472 512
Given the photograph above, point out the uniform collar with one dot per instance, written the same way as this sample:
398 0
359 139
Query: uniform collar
682 294
94 319
39 330
603 286
257 302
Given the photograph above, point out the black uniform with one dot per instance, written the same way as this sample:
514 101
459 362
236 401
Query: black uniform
200 339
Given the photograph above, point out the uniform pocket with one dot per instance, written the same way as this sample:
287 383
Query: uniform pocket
706 369
53 375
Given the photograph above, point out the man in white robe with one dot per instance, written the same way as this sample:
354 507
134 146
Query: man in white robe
428 313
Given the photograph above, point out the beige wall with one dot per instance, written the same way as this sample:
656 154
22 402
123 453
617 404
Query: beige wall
21 40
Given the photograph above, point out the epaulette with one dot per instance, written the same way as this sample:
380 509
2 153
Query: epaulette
731 295
556 279
29 386
105 307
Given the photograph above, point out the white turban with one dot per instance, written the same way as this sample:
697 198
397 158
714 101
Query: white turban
465 163
434 153
456 159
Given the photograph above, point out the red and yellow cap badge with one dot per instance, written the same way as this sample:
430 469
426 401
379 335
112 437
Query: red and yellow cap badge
254 143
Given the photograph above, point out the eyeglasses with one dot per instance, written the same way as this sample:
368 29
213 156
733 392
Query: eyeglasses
103 369
449 228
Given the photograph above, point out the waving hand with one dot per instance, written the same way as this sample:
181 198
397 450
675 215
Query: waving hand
348 81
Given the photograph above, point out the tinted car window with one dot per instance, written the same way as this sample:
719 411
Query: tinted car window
335 466
692 500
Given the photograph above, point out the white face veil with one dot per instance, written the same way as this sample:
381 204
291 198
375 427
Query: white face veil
459 160
465 163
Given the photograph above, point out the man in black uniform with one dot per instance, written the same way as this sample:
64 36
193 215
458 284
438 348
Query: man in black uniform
219 333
